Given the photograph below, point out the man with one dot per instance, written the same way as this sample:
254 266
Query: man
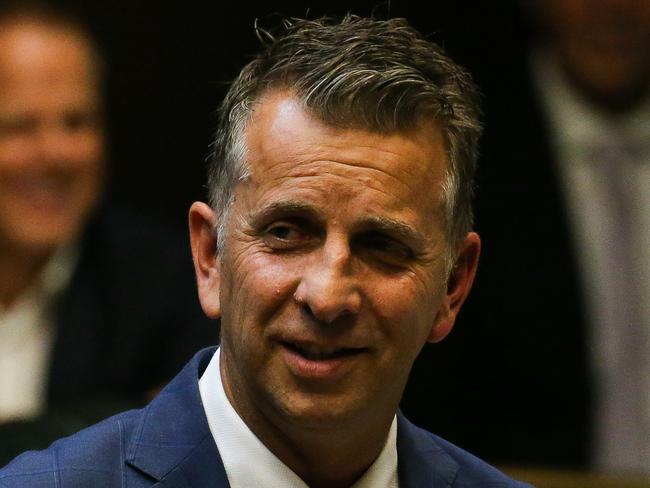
338 242
564 195
591 70
74 339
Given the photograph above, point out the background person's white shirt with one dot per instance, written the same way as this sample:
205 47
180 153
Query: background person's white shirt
26 340
248 462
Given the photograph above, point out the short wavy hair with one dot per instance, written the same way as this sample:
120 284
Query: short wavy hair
377 75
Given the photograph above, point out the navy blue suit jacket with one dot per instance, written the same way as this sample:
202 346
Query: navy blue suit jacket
169 444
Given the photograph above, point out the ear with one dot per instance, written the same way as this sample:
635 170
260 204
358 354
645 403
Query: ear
458 287
203 239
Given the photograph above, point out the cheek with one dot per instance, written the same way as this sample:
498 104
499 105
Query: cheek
85 156
261 285
16 153
87 161
255 292
89 146
408 306
89 179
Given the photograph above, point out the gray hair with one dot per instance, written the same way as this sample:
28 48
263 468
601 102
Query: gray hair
378 75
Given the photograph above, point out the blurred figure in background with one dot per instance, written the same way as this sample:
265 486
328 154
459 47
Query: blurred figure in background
592 73
564 195
79 336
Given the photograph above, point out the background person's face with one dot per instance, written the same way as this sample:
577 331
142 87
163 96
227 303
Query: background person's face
603 44
51 141
332 277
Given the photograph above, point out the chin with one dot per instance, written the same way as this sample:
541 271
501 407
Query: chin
322 412
43 238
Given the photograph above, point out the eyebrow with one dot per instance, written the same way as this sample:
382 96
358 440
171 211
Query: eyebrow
393 227
379 223
286 207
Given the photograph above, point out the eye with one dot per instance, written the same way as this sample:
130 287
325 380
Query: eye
284 232
18 126
288 235
384 248
75 121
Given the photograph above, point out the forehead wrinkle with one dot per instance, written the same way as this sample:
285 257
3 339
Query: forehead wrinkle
364 157
378 179
404 199
345 146
298 157
317 186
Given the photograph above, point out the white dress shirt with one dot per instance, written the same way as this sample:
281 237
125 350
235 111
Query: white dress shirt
26 337
248 462
615 268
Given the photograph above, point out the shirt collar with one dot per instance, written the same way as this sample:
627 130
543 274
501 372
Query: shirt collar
51 281
248 462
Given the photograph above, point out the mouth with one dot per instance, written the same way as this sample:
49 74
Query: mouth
320 363
321 353
44 191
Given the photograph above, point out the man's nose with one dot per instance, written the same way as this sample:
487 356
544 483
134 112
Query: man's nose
329 287
55 144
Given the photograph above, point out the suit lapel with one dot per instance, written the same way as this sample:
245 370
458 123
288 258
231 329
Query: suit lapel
422 463
201 468
172 442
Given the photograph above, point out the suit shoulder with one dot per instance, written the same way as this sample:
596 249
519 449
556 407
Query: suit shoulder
91 457
447 463
473 471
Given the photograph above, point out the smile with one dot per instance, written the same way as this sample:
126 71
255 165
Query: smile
314 362
40 191
316 352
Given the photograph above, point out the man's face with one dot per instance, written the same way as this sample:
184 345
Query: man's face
332 276
51 142
603 44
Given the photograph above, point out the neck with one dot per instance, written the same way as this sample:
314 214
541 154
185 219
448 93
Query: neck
19 268
325 458
333 459
333 452
324 454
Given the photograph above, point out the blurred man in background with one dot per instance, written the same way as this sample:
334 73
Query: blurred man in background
592 73
564 195
71 263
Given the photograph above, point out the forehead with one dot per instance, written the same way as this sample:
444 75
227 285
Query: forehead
622 15
36 58
288 149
